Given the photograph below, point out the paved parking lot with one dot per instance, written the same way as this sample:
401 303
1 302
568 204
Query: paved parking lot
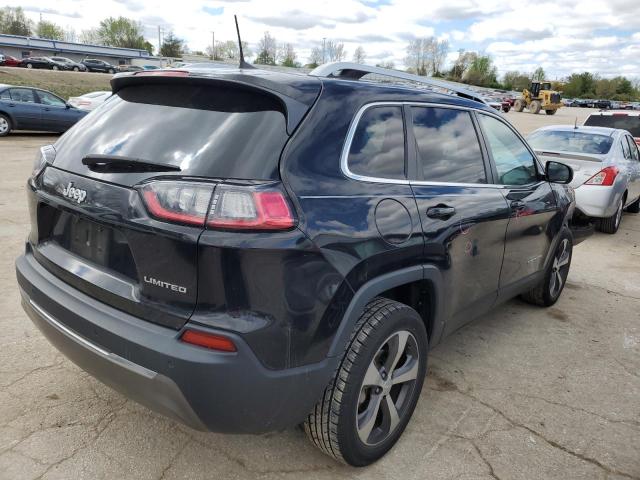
523 393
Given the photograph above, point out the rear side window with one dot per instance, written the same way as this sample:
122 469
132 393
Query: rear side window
513 161
377 147
447 145
206 130
630 123
625 148
635 155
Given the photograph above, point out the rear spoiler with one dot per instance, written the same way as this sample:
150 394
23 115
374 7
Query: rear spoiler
295 102
571 156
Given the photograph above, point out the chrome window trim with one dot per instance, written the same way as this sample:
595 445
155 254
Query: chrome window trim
344 157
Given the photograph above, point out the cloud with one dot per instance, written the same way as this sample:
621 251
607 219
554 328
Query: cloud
51 11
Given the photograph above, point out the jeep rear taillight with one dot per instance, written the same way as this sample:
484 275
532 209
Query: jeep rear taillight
248 208
229 207
604 177
178 202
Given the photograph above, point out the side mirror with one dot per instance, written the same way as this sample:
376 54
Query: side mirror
557 172
68 105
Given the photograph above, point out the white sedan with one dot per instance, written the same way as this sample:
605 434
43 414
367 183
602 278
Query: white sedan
606 166
89 101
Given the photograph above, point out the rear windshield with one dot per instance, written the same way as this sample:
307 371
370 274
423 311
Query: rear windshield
571 141
205 130
631 123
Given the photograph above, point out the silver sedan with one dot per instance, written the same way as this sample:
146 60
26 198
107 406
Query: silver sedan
606 166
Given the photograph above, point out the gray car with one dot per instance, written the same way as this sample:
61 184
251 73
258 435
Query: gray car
606 165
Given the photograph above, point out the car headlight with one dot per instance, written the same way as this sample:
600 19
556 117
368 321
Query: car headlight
44 157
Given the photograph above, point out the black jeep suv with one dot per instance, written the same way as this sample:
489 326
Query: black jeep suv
249 250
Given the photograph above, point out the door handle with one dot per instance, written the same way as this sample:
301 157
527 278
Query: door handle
441 211
518 205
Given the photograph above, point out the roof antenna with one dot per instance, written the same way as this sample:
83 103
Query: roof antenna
575 125
243 64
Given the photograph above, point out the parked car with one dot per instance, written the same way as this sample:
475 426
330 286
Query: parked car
305 281
26 108
89 101
41 62
603 104
68 64
10 61
130 68
94 65
606 163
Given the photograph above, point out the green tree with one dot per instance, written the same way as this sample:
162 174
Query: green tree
580 85
288 55
267 50
121 32
515 80
538 74
482 72
172 46
460 66
13 21
49 30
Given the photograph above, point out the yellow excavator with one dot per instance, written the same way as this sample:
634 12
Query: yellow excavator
538 97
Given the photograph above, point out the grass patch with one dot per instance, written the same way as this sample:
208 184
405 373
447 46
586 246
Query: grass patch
63 84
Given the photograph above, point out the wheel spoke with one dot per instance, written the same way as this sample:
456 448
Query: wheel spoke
391 413
372 377
397 347
408 372
368 418
563 261
560 281
552 284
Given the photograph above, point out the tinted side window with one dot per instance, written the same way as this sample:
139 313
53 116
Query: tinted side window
22 95
49 99
5 95
625 149
635 155
513 161
377 148
447 145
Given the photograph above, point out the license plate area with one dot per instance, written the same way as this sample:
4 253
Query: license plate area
92 241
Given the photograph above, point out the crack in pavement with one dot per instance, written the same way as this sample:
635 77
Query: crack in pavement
550 442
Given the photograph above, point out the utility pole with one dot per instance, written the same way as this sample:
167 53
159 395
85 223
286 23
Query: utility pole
160 43
324 41
213 45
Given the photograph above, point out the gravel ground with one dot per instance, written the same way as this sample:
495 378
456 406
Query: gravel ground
522 393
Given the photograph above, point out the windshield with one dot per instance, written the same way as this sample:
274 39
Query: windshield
570 141
204 130
631 123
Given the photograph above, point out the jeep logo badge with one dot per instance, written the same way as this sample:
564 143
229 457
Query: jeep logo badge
76 194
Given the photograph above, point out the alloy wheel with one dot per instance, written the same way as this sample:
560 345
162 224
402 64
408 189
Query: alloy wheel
387 386
4 125
560 268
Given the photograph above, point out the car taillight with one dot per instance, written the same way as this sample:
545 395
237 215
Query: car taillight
178 202
232 207
604 177
208 340
246 208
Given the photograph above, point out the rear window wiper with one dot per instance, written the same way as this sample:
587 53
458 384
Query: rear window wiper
119 164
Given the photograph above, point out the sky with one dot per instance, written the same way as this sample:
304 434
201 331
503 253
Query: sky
563 36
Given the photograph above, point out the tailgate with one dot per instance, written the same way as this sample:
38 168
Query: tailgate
108 247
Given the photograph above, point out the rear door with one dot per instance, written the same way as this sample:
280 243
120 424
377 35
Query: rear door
464 217
24 108
122 208
533 221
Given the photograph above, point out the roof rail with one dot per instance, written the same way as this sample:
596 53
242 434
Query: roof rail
355 71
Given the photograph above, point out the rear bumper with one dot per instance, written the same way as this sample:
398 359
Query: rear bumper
207 390
597 201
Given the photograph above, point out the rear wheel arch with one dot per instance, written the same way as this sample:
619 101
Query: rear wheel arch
398 285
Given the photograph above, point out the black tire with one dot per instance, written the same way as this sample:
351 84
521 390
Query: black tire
518 105
534 107
611 224
5 125
551 112
76 69
546 293
348 403
634 207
